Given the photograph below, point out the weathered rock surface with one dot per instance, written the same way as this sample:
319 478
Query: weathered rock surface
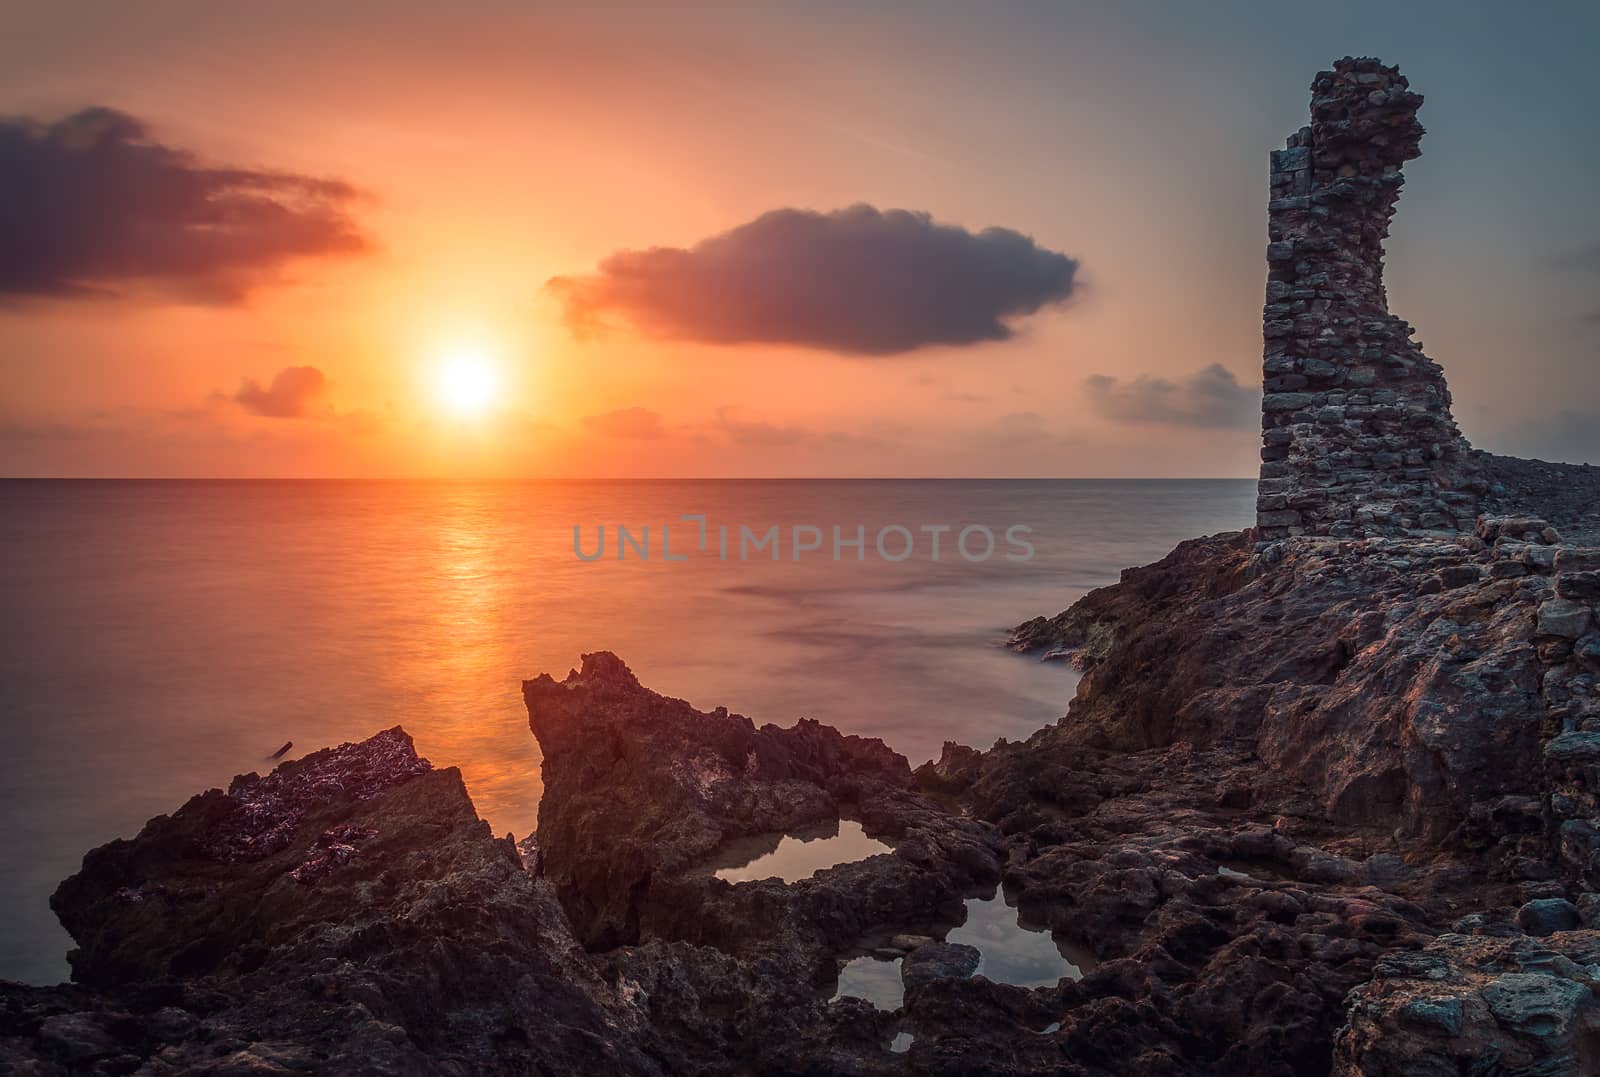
1406 713
1479 1005
348 913
1207 971
1400 680
1397 665
641 789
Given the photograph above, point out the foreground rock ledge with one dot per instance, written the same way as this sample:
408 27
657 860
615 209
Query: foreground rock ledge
348 913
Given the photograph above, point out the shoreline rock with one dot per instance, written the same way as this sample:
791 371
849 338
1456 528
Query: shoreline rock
347 913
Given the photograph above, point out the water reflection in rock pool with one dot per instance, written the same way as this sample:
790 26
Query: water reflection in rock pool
796 855
874 979
1015 954
1009 953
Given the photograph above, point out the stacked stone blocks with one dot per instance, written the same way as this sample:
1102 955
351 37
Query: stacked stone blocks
1357 435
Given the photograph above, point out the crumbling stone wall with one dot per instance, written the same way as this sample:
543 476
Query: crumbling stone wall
1357 434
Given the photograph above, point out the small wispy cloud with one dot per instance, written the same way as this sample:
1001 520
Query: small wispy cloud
1210 397
292 393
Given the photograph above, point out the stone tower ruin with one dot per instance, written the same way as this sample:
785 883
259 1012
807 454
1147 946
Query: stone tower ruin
1357 435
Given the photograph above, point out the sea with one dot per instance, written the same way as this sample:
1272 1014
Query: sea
161 637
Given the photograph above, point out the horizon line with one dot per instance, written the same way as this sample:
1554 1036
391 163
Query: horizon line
623 478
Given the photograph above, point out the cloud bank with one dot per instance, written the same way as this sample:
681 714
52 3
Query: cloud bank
291 395
91 205
1210 397
858 281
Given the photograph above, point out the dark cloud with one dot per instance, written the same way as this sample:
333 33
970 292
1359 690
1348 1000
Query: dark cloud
91 205
640 424
1211 396
290 395
858 281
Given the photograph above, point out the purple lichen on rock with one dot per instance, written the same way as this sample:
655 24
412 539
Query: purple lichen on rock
268 810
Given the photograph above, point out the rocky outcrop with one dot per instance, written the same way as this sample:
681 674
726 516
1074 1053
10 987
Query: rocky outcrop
135 906
1412 662
1357 436
348 913
1091 628
1445 688
639 787
1398 663
1231 914
640 790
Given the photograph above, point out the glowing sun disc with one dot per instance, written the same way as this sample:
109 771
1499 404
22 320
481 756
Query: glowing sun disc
466 383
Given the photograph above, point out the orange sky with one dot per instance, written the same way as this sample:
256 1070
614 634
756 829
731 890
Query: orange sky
498 149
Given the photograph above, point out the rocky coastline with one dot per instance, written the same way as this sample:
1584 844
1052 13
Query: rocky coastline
1327 801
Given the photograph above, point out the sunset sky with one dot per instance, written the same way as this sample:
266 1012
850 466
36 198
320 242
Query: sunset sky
394 239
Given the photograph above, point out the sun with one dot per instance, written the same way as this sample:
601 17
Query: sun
466 382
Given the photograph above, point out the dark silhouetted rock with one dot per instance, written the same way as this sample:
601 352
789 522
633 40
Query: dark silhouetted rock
346 913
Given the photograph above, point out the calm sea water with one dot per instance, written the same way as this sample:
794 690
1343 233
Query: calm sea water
161 637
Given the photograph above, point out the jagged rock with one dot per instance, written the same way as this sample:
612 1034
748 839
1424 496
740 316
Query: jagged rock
955 770
1074 633
428 948
1093 621
1381 698
1453 576
640 787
